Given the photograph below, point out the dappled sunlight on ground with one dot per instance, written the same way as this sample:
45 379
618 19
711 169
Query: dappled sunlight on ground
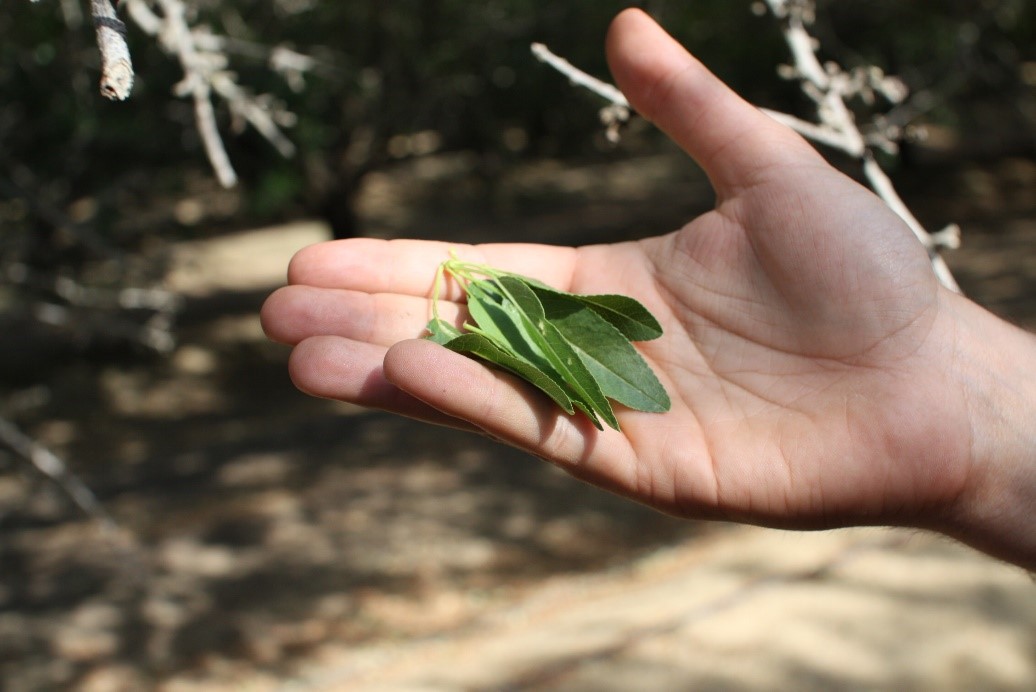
262 536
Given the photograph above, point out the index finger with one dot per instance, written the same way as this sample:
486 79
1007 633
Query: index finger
408 267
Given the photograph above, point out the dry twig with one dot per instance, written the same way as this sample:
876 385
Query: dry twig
204 60
828 86
204 57
50 465
116 65
615 114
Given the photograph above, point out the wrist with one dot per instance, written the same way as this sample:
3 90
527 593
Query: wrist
996 367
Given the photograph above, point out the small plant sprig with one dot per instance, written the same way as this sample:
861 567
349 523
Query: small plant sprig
575 348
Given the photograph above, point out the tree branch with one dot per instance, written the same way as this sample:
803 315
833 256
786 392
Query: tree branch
203 55
578 77
613 116
50 465
827 86
116 65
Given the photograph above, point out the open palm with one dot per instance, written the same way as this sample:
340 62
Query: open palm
807 349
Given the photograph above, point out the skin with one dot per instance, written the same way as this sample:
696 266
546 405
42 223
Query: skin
820 375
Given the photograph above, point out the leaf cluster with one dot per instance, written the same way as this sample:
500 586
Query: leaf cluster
575 348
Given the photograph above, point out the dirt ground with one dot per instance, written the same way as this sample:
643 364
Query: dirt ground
265 540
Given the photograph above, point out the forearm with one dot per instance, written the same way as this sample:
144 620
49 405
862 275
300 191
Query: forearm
997 367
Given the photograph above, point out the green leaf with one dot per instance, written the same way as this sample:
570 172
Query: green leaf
629 316
516 324
502 326
558 350
618 368
502 322
479 345
578 377
574 348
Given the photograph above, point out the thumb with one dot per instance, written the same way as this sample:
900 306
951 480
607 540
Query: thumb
730 138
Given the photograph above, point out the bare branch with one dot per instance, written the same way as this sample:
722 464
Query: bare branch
203 56
613 116
89 311
828 85
578 77
116 65
812 131
50 465
205 116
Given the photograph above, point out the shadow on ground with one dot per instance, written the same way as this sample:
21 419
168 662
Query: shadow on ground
259 522
255 523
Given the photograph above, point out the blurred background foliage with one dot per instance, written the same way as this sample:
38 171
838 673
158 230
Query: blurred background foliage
85 182
95 198
397 78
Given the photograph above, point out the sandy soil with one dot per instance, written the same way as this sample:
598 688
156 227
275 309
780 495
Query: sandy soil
266 540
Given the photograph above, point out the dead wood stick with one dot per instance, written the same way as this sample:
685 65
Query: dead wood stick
116 65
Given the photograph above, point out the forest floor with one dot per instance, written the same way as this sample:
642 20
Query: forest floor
266 540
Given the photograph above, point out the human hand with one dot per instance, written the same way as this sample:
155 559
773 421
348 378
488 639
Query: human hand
809 351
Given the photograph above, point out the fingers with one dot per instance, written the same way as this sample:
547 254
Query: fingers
508 409
294 313
408 267
370 265
422 380
731 139
335 368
